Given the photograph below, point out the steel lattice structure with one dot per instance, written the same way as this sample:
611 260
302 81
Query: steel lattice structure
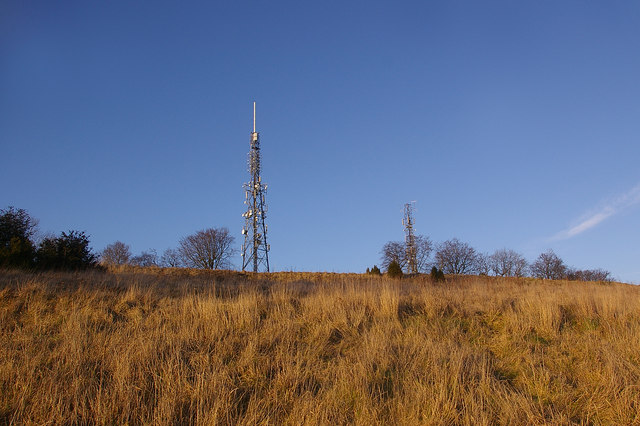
410 239
255 250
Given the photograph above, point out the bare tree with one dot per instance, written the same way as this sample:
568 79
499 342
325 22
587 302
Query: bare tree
146 258
394 251
508 263
549 266
424 247
208 249
117 253
171 259
597 275
589 275
456 257
397 250
482 264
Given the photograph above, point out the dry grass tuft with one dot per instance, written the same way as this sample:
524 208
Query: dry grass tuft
177 346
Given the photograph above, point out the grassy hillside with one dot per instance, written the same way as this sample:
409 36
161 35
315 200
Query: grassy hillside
171 347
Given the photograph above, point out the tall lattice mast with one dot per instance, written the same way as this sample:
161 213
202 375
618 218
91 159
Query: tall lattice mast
255 250
409 238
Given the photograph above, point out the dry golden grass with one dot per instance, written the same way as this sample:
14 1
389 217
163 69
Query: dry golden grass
173 346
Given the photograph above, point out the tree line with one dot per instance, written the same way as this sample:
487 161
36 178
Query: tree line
210 248
213 248
459 258
19 247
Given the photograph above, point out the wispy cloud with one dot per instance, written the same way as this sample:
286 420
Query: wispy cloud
605 211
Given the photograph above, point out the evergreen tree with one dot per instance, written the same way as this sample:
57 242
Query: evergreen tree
16 230
437 274
394 270
69 251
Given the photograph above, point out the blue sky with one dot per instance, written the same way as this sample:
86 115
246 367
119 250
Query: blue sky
512 124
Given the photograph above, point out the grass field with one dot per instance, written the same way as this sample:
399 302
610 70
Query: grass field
182 347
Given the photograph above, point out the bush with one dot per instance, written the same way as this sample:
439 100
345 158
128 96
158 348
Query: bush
437 274
374 271
16 230
394 270
69 251
17 253
589 275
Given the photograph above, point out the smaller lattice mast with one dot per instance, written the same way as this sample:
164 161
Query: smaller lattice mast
409 238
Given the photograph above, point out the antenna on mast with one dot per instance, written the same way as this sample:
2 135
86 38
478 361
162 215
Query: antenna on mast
254 116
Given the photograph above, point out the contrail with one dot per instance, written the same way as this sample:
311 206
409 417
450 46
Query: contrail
610 208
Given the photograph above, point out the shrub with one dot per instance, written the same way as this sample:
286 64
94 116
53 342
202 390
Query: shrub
394 270
437 274
16 230
69 251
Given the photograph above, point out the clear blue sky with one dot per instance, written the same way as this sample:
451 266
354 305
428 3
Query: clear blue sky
512 124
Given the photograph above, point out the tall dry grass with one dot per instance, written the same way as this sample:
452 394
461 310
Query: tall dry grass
176 347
